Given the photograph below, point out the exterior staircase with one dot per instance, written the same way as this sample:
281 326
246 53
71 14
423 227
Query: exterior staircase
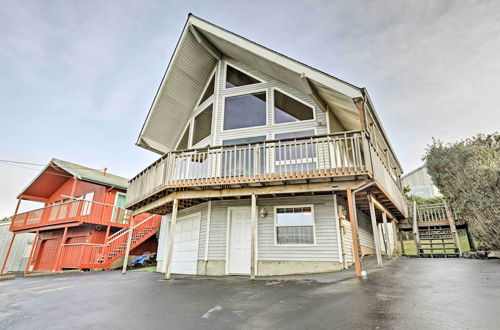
437 243
103 255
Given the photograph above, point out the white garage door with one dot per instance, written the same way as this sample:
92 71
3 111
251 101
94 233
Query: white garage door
185 255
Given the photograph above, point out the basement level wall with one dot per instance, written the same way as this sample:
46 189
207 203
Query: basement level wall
326 248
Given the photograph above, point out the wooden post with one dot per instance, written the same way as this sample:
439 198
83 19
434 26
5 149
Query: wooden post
129 243
59 250
171 237
402 243
453 228
472 244
28 263
416 236
253 257
354 233
388 249
8 252
375 231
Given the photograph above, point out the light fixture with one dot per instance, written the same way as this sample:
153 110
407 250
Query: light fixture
262 212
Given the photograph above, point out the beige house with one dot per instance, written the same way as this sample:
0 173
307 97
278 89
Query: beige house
267 166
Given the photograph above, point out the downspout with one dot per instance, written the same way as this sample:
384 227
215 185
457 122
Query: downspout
354 192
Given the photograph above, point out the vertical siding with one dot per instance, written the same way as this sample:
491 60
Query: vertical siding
20 249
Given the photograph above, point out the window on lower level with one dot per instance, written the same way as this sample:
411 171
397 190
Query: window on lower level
294 225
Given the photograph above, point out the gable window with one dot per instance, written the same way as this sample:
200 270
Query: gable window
183 143
209 91
288 110
245 110
294 225
235 78
202 125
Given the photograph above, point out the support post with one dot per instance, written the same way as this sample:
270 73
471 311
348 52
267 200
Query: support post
30 257
253 259
59 250
209 215
8 252
472 244
402 243
129 243
388 248
375 231
354 233
340 233
453 228
171 237
416 236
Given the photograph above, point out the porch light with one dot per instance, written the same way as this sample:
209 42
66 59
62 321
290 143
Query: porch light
262 212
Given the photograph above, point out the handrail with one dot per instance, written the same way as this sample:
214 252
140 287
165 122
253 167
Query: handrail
243 144
131 229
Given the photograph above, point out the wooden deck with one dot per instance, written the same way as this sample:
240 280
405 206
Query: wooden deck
298 164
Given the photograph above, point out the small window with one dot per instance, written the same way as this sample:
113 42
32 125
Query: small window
288 110
235 78
87 203
183 143
294 225
202 125
209 91
245 110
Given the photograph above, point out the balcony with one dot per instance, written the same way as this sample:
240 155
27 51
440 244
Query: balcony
72 212
321 158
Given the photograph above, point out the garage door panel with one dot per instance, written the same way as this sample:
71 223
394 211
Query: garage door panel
185 252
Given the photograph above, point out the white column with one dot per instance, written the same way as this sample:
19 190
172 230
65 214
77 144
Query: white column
171 237
253 260
375 231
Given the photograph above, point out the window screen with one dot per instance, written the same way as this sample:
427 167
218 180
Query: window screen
235 78
287 109
294 225
245 111
202 125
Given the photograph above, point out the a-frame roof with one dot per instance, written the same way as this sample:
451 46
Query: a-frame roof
58 171
199 48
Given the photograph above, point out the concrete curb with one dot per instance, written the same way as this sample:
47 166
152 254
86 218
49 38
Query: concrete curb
51 273
7 277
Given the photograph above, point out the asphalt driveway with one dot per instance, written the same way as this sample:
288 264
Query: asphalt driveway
407 293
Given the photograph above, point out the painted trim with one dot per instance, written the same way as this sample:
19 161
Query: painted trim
276 226
273 121
212 74
228 236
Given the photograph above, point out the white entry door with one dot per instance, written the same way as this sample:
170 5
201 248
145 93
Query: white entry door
240 235
185 254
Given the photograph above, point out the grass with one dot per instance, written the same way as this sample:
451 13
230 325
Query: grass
410 248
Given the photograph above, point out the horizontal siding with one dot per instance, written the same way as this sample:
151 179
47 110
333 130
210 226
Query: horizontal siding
365 230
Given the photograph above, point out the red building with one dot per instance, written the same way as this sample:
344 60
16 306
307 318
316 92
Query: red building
84 223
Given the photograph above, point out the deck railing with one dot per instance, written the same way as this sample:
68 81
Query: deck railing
72 211
342 154
432 213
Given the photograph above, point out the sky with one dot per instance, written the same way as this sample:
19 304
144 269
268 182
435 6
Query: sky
77 78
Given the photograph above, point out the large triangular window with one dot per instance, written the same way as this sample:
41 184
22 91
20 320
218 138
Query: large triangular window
183 143
209 91
288 110
236 78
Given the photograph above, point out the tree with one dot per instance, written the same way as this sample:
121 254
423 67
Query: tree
467 173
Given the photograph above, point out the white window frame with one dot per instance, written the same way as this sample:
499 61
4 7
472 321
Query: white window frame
239 93
182 135
197 113
313 108
114 204
212 75
87 207
226 63
276 207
